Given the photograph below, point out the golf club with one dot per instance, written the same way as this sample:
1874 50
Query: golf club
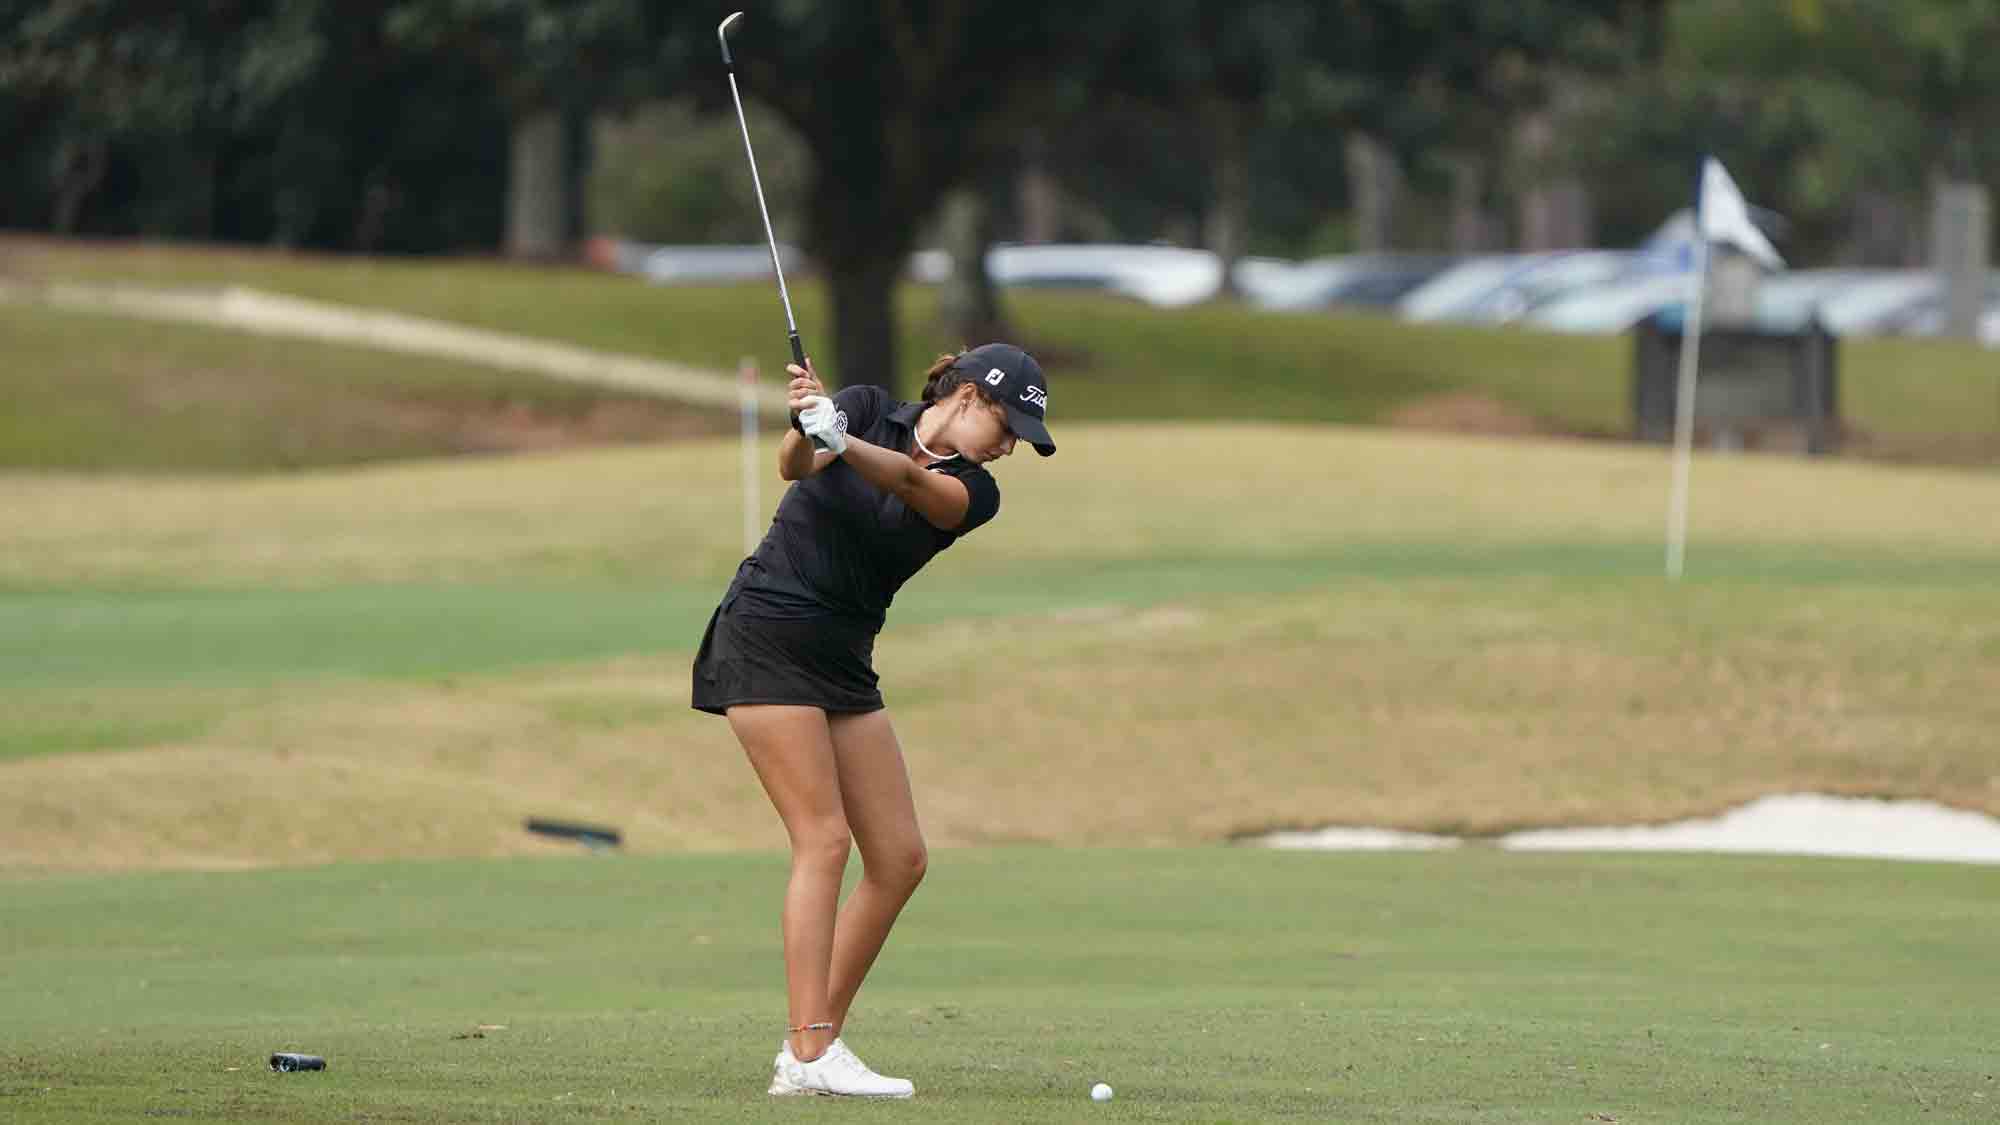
784 295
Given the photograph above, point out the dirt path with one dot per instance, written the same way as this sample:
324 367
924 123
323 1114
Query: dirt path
250 310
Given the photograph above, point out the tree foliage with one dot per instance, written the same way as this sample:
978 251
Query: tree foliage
384 124
1819 105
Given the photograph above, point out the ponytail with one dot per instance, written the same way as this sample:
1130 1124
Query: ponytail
938 381
942 379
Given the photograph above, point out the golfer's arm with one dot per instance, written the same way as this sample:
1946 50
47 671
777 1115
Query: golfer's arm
938 498
797 459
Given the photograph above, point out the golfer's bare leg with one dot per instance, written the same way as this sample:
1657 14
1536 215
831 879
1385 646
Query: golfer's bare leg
792 752
875 789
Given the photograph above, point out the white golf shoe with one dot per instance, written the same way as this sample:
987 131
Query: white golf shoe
836 1073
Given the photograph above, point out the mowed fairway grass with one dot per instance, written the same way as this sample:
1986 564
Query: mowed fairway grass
1206 985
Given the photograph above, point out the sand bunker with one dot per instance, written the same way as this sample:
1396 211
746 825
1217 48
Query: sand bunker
1785 824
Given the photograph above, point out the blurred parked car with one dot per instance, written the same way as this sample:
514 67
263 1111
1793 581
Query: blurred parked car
1927 318
669 265
1788 301
928 267
1876 304
1462 285
1168 276
1612 307
1354 280
1498 288
1537 281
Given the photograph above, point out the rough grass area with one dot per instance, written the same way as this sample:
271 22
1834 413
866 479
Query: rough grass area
104 393
1181 495
1214 985
1455 705
1108 358
1437 634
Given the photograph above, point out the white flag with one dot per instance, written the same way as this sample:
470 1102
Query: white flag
1725 217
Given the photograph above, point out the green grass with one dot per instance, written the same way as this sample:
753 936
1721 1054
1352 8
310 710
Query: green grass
102 393
253 636
1415 631
1108 358
1220 985
1199 631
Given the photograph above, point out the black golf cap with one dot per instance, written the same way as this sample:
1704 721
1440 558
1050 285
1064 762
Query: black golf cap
1013 379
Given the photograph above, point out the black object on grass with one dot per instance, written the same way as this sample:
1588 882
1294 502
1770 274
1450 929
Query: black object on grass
593 836
286 1061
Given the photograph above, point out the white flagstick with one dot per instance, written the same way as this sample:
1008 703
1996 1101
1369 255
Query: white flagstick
1677 504
747 369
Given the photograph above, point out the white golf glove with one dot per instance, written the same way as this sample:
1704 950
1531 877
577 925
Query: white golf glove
825 424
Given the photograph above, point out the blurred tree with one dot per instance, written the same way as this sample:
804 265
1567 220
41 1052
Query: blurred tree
898 103
1463 97
1841 113
182 82
288 121
665 173
552 63
1330 107
1231 62
1196 117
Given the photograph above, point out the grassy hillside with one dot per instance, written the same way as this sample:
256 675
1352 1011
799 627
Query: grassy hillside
1109 359
1419 631
105 393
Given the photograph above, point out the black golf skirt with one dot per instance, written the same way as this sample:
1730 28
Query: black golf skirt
824 662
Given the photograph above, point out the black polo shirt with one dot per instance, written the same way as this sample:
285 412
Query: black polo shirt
839 546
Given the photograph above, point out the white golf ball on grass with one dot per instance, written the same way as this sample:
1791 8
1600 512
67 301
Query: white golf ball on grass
1100 1093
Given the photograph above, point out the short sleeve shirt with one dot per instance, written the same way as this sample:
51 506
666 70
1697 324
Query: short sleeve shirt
839 546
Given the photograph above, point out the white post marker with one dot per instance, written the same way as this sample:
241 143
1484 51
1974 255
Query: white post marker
1721 215
1677 499
752 504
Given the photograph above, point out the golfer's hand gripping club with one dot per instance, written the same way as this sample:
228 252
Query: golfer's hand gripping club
825 425
805 394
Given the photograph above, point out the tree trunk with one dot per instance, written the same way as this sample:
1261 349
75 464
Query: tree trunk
1961 234
208 171
1882 232
1556 211
537 212
578 152
1472 229
1226 226
864 319
81 167
1040 202
1374 182
968 304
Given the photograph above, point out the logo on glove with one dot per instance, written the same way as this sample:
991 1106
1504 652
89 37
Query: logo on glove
825 424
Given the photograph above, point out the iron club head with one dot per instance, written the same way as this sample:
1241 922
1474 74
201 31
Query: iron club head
722 36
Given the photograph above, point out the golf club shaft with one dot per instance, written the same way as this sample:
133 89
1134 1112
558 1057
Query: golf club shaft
771 239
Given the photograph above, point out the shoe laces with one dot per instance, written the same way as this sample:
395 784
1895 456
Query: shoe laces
848 1061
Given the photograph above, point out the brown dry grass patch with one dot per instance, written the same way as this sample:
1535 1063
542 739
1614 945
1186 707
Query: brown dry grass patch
1439 706
1116 492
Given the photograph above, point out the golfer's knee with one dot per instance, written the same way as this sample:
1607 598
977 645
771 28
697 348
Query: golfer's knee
900 868
822 843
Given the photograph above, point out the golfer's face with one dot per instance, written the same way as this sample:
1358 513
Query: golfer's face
983 434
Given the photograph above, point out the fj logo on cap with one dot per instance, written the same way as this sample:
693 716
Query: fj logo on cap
1036 395
995 377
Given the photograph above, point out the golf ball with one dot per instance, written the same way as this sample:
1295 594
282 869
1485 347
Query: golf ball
1100 1093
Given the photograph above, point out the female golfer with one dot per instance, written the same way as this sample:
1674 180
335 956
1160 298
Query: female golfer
880 488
